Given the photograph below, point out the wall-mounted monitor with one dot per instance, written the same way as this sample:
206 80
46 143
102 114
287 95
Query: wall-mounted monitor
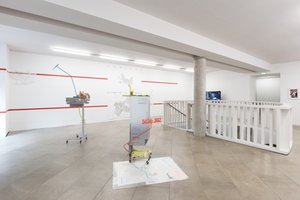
213 95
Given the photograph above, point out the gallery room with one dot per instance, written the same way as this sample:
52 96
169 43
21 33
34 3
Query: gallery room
139 99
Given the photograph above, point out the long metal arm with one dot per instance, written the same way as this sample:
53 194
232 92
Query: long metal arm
57 66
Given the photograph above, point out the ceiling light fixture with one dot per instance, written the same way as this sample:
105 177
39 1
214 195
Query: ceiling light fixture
71 51
189 70
145 62
113 57
171 67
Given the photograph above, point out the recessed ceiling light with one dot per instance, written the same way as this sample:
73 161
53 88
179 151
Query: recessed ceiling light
263 73
113 57
171 67
145 62
71 51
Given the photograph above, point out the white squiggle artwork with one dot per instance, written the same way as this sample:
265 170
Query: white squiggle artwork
121 106
124 80
22 78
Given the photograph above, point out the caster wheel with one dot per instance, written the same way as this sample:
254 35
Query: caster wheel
86 138
147 162
80 141
67 142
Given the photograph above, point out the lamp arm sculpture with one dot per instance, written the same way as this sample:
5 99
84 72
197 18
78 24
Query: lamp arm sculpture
57 66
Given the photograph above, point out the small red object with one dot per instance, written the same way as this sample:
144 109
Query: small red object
157 120
151 121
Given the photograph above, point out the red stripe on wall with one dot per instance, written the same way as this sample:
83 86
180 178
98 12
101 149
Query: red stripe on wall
57 75
65 76
3 112
54 75
54 108
160 82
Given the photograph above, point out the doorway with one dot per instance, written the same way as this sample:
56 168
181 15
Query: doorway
267 88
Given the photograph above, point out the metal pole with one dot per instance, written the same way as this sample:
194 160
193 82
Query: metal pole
82 122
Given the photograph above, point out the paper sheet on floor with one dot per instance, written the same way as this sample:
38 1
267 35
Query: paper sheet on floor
159 170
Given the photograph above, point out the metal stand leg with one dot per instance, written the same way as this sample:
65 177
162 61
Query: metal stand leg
82 135
148 160
130 152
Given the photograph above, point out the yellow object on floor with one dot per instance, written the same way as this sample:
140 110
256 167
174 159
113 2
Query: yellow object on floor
140 154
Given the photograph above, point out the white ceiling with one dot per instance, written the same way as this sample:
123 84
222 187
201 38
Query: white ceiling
37 42
235 35
110 23
267 29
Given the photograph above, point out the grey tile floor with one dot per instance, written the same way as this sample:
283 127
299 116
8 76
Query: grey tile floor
39 165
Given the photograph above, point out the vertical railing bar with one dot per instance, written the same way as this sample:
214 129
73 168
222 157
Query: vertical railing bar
263 119
255 125
242 123
248 134
224 121
271 115
219 119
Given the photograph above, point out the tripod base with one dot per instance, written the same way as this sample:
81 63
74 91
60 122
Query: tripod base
82 136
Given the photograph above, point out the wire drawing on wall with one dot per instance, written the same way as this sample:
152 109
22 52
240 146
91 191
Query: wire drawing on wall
122 106
125 80
293 94
22 78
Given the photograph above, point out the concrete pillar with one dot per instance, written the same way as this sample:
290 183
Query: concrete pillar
199 110
4 84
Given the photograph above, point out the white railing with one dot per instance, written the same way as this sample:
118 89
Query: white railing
257 103
175 114
265 125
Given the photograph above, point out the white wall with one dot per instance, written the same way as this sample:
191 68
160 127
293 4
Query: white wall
33 91
234 86
46 91
289 78
268 89
4 94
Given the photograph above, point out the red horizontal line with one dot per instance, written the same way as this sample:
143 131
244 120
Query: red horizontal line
3 69
52 108
56 75
87 77
3 112
159 82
